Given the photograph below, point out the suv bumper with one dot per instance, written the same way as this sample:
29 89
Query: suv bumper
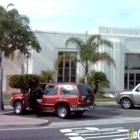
83 108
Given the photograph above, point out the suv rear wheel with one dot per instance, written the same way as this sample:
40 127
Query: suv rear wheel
63 111
18 109
126 103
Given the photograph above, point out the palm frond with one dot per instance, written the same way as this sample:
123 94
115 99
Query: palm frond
10 4
91 41
76 41
106 57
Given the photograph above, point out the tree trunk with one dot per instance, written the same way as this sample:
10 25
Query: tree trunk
96 88
86 75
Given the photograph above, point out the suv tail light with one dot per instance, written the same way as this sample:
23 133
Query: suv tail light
79 100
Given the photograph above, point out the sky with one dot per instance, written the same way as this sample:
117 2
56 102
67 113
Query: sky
78 16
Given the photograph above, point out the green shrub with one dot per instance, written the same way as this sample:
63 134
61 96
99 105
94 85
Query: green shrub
97 79
22 81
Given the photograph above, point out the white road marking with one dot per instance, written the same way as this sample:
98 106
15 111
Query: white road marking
123 130
72 134
76 138
92 128
86 133
66 130
121 139
105 136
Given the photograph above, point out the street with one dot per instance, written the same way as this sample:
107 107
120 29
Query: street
94 132
103 123
100 112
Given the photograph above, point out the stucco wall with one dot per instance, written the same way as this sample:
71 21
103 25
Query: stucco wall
124 41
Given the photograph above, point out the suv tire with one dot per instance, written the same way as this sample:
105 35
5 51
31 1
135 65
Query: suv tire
126 103
18 109
63 111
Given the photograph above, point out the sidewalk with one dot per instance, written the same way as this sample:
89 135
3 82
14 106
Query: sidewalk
111 103
8 120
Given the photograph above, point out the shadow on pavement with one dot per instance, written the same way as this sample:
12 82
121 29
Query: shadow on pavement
96 114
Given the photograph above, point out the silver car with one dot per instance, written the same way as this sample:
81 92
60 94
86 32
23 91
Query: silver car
128 99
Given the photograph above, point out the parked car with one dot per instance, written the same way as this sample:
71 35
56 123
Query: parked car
128 99
62 98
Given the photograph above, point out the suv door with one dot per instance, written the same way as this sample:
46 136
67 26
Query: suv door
136 95
26 99
50 97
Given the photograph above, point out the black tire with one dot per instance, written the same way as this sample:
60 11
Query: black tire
79 113
126 103
63 111
18 109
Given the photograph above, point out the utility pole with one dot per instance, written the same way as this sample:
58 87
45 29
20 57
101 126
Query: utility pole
1 79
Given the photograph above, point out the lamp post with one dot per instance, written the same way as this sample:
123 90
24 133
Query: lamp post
22 70
1 79
22 74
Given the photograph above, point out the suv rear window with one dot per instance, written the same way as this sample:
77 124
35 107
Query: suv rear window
85 90
68 90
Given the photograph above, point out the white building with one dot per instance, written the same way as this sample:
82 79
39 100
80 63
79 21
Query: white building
125 51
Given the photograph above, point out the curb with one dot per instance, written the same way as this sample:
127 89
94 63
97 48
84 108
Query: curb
23 125
106 104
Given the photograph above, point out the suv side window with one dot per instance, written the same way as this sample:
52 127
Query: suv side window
50 90
138 89
68 90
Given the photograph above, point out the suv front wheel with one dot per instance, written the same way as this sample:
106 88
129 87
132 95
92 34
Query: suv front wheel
63 111
18 108
126 103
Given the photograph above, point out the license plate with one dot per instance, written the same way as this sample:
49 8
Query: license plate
88 101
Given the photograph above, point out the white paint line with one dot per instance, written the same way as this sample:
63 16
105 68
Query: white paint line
79 132
111 133
92 128
66 130
110 129
72 134
106 136
76 138
83 131
91 134
77 128
123 130
121 139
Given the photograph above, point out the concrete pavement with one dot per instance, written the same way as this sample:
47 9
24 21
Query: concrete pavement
8 120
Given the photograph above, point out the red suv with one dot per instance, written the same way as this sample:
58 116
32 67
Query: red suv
62 98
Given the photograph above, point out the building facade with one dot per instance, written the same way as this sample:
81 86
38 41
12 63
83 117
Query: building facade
125 51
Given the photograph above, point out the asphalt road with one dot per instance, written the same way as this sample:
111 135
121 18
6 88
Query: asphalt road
95 132
103 123
106 112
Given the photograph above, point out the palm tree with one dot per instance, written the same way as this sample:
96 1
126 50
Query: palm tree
47 75
97 79
89 53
